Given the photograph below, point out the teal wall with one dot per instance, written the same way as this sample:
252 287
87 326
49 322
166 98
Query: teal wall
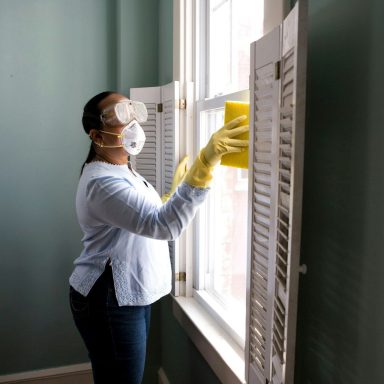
138 46
180 359
341 311
165 41
55 55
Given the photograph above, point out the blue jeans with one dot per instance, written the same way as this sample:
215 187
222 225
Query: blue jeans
116 337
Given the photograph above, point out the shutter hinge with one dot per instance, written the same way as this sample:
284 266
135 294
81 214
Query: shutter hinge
181 276
181 104
160 107
277 70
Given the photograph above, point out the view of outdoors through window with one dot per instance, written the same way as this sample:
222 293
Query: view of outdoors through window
233 25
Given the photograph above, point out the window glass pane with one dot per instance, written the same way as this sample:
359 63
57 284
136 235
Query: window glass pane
220 47
233 25
224 230
229 196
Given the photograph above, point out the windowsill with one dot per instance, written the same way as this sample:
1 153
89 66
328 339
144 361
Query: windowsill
222 353
228 320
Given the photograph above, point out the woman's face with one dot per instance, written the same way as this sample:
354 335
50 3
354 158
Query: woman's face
111 139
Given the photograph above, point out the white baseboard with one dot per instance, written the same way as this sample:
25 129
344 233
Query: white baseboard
77 373
163 379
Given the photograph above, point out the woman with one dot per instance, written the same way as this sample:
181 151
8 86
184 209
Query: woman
124 266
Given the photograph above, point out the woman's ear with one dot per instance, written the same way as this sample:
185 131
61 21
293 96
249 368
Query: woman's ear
95 136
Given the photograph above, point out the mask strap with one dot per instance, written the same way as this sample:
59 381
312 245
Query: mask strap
108 146
119 135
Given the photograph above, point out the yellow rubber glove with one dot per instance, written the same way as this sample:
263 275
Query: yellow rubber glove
181 171
220 143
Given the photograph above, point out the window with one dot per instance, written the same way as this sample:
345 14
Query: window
228 279
221 225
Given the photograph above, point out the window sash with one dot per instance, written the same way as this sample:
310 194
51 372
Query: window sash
208 298
201 106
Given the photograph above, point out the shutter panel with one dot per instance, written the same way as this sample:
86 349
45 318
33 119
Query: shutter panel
148 161
160 156
291 159
274 270
265 53
170 160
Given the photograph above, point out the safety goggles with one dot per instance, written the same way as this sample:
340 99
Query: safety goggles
123 112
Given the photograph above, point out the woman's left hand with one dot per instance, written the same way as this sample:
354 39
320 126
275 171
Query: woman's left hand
178 177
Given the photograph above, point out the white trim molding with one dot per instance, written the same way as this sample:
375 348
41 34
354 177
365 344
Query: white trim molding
163 379
77 373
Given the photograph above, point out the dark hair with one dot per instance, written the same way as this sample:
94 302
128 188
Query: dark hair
91 120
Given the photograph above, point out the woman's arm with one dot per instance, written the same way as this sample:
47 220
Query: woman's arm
114 202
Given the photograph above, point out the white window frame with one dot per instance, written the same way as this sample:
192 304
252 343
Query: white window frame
224 355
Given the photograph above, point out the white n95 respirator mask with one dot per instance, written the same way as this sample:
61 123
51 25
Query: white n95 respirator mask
132 138
123 112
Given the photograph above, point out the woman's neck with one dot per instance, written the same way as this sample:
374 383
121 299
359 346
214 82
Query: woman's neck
109 159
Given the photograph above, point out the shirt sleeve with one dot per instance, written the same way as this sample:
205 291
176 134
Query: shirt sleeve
115 202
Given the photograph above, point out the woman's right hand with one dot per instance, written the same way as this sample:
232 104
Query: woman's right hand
220 143
223 141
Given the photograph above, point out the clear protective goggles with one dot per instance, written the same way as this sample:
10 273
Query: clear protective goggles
123 112
132 138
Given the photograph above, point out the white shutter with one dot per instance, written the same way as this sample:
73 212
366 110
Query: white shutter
265 54
170 159
158 159
278 72
148 162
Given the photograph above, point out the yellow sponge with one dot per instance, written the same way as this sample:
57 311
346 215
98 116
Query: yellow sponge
235 109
